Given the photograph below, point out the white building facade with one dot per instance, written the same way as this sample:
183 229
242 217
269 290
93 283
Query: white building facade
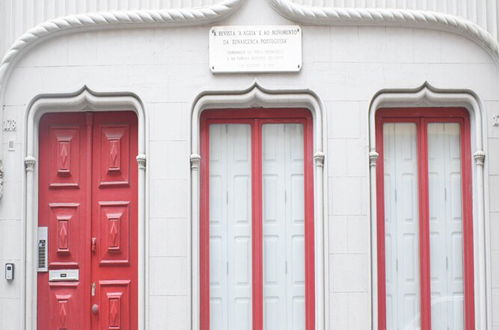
143 188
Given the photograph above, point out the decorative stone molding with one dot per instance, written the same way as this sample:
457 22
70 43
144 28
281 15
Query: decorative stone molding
479 157
195 161
315 15
373 158
319 159
257 96
428 96
29 163
141 161
100 20
117 19
83 99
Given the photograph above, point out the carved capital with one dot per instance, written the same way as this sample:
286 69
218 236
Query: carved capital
29 163
319 158
479 157
141 161
195 161
373 158
1 178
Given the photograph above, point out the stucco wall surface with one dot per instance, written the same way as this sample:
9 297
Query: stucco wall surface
167 68
17 16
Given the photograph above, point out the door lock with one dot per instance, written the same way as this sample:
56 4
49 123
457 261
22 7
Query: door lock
95 309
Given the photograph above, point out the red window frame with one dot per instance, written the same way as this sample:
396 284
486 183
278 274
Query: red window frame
257 118
422 117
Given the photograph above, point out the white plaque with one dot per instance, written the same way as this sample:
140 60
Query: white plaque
275 48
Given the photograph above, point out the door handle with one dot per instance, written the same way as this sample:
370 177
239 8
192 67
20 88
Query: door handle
94 244
95 309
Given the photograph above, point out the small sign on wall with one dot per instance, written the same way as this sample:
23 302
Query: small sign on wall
276 48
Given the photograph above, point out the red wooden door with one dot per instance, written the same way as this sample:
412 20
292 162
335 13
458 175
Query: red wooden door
88 201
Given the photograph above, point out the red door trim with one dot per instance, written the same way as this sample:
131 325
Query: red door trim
257 118
422 117
204 233
257 226
380 224
469 296
424 224
309 226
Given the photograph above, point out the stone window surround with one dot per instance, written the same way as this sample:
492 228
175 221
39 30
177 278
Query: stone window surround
429 96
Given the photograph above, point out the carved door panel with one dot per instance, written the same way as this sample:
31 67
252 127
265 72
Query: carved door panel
65 141
88 202
114 213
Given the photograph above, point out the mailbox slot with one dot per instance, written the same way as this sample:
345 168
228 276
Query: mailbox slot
58 275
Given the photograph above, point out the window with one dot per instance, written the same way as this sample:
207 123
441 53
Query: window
425 226
257 229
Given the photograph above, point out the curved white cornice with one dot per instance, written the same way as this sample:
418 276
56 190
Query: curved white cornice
117 19
393 17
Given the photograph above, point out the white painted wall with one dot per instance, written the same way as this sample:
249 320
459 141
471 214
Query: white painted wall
168 67
17 16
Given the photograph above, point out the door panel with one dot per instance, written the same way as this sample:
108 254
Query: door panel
115 305
230 227
66 223
63 207
88 201
113 233
446 226
401 226
64 306
66 148
114 153
283 226
114 219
